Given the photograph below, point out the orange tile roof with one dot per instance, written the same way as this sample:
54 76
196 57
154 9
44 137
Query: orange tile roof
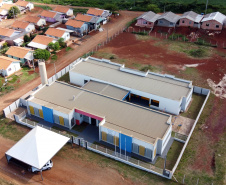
6 61
17 51
7 6
41 39
61 9
22 3
55 32
32 19
95 11
74 23
84 18
6 32
20 24
48 14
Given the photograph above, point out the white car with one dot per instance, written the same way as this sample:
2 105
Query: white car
47 166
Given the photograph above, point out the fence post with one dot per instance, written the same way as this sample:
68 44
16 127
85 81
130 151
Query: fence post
183 179
106 150
138 163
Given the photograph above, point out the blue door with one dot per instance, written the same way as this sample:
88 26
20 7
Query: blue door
125 142
48 114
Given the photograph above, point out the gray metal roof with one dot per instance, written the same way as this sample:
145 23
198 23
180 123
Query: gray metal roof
139 122
149 16
192 16
170 16
217 16
106 89
152 83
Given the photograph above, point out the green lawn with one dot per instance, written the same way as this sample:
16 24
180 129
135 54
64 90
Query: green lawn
17 80
65 78
172 156
197 102
44 7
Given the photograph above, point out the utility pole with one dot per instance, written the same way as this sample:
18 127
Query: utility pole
206 6
107 33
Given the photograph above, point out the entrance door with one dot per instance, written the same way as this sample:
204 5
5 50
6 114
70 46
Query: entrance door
93 121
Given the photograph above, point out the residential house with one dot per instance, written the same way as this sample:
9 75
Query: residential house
7 33
190 19
93 22
49 16
148 19
38 21
4 10
213 21
98 12
20 53
23 26
168 19
18 41
78 27
40 42
8 66
64 10
57 34
24 5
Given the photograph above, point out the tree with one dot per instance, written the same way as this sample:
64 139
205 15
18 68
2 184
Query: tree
55 46
27 38
112 7
62 43
13 11
41 54
154 8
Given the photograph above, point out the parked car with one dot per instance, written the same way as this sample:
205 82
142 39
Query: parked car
47 166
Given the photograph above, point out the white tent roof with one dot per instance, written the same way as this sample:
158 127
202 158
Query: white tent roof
37 147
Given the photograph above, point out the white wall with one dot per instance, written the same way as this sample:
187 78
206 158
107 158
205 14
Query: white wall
70 12
41 22
109 131
30 6
66 36
30 28
168 105
13 67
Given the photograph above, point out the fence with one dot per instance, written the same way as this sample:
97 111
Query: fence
202 91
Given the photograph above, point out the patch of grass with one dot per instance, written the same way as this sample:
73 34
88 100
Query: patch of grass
81 127
65 78
3 182
11 130
149 67
146 56
13 78
79 10
54 58
140 33
197 53
197 102
68 49
105 55
44 7
172 156
143 37
131 22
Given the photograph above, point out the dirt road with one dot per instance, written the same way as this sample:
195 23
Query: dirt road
66 170
63 61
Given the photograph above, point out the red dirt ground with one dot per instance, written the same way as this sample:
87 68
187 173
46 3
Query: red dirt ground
65 170
126 46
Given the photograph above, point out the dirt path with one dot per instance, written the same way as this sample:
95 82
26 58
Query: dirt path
66 170
78 51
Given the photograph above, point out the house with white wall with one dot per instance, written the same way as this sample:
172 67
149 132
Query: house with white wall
38 21
23 26
147 19
40 42
64 10
20 53
8 66
131 128
7 33
24 5
57 34
161 92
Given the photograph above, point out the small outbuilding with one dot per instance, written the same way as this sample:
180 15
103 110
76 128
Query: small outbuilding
79 28
64 10
57 34
23 26
35 20
36 148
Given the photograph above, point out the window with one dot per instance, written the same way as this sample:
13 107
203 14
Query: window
145 22
171 23
160 22
85 81
207 24
217 26
9 69
183 21
189 22
155 103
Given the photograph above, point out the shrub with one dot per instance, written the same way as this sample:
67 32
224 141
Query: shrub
112 57
68 48
54 57
140 33
197 53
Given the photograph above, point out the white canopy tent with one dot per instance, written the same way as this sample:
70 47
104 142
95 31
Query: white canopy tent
37 147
